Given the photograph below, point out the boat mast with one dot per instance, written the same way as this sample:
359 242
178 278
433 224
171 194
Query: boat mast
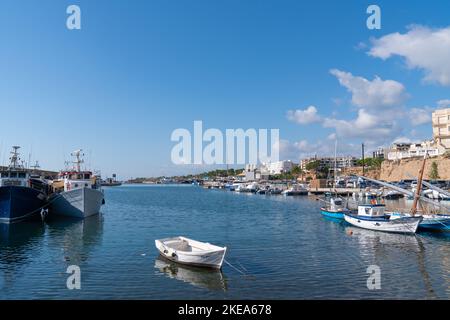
419 186
14 159
335 161
79 161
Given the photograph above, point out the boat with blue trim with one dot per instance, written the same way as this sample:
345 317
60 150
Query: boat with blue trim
430 222
22 196
335 209
373 217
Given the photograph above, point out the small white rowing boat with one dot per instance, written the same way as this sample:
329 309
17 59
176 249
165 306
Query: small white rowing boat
191 252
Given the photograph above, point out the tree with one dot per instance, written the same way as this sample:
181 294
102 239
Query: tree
370 162
313 165
434 173
296 170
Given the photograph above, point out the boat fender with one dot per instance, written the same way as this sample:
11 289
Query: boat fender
103 201
174 254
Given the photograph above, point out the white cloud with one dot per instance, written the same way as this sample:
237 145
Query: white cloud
420 116
371 128
373 94
422 48
305 149
309 115
442 104
402 140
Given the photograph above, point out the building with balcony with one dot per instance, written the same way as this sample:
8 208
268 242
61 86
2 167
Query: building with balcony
328 162
400 151
441 127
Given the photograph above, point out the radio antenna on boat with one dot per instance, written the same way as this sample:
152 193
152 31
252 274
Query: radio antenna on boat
35 166
14 159
78 154
419 186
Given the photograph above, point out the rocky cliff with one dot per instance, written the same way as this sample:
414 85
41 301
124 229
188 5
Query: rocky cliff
409 168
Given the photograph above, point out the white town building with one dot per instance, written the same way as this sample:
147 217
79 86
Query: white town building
441 127
277 167
400 151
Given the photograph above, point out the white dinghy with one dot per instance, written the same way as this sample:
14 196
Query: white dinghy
191 252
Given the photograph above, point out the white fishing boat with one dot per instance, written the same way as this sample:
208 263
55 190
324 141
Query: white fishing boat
436 195
430 221
296 190
191 252
252 187
373 217
77 193
392 194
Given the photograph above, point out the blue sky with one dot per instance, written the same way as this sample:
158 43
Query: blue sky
137 70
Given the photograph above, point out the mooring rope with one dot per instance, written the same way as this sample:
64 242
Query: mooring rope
240 271
42 207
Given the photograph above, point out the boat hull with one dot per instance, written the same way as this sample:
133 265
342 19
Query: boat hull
296 193
112 184
332 214
77 203
400 225
212 259
20 203
430 222
435 225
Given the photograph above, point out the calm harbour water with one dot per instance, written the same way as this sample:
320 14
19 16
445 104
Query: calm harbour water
286 249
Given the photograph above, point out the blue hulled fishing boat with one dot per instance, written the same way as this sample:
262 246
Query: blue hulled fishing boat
335 209
21 196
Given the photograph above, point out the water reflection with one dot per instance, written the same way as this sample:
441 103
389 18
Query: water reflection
374 243
16 240
199 277
77 238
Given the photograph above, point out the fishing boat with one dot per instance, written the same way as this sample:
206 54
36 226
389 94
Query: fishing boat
111 182
190 252
436 195
252 187
77 193
274 190
373 217
22 196
430 221
296 190
392 195
335 209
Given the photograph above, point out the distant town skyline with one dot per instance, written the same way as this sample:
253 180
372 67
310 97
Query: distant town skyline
135 72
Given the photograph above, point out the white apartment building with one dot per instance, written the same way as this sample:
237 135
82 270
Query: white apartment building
441 127
277 167
410 150
328 162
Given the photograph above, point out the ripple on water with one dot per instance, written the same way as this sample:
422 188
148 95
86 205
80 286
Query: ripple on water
279 248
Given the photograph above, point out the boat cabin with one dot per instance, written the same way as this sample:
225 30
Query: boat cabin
70 180
336 204
371 210
17 178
